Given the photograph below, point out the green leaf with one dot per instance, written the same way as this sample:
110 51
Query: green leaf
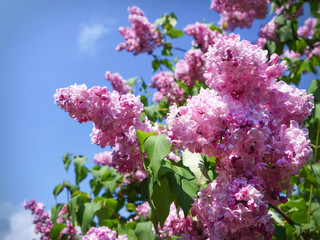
155 65
156 147
184 186
280 233
57 190
80 170
108 209
161 199
130 207
166 51
308 176
174 33
66 160
144 100
280 19
195 162
285 33
55 212
142 136
70 187
271 47
166 63
144 231
123 230
56 230
90 210
78 199
132 81
172 19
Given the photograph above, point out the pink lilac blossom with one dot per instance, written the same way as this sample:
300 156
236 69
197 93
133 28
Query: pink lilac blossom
287 103
288 152
103 158
307 29
103 233
268 32
144 209
252 128
158 96
192 68
236 67
42 221
138 175
232 208
142 36
175 223
164 82
115 117
235 13
314 50
118 83
291 54
204 37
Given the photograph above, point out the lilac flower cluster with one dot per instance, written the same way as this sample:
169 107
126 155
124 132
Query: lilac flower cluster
192 68
115 117
250 123
103 233
103 158
233 208
202 34
118 83
307 29
268 32
235 13
166 85
42 221
142 36
175 223
64 217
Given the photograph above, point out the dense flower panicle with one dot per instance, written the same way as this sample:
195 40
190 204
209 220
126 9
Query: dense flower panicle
236 67
118 83
307 29
268 32
107 110
287 103
191 127
192 68
115 117
103 233
175 223
42 221
291 54
252 128
314 50
164 82
233 208
204 37
288 152
144 209
235 13
219 126
103 158
142 36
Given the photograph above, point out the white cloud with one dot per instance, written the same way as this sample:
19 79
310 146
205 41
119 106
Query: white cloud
16 222
90 34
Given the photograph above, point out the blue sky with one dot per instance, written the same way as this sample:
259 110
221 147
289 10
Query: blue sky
47 45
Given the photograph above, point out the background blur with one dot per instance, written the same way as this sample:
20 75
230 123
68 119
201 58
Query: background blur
46 45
